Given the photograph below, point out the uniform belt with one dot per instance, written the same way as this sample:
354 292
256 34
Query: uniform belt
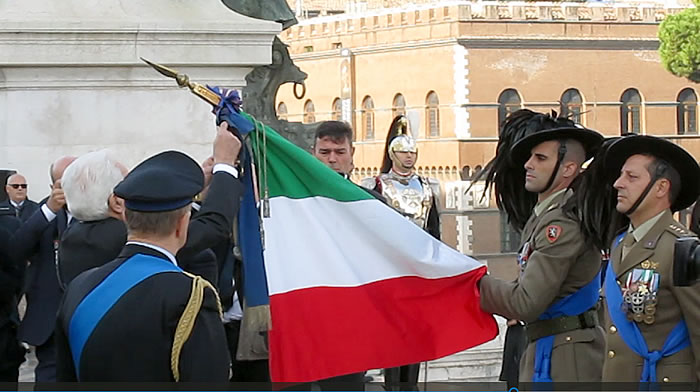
557 325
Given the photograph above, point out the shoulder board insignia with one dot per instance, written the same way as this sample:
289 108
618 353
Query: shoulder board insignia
553 233
677 230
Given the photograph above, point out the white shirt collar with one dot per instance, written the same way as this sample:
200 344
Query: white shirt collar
17 205
155 247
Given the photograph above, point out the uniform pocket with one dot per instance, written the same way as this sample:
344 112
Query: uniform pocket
578 355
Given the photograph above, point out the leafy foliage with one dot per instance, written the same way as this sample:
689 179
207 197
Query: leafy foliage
680 43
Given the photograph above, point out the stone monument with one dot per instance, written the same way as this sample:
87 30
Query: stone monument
71 80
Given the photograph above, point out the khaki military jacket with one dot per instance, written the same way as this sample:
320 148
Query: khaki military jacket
655 251
558 263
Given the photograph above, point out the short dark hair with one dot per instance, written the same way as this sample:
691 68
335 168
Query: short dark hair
664 169
338 131
158 224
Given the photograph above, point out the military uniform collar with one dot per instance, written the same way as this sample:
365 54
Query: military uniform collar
644 248
135 247
644 228
549 201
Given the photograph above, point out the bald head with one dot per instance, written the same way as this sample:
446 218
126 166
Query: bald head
16 188
59 166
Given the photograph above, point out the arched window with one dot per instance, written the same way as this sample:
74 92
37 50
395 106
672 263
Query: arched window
337 110
466 173
631 112
687 112
368 118
508 102
309 112
282 111
432 114
398 106
572 105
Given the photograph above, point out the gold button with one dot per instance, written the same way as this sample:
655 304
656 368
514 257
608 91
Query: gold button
611 354
568 338
666 379
613 329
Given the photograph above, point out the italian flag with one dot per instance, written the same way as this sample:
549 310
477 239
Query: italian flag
353 284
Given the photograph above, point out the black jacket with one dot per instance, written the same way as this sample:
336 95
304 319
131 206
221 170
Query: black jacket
133 340
86 245
25 211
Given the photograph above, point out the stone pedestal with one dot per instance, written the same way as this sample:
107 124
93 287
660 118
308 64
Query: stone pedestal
71 80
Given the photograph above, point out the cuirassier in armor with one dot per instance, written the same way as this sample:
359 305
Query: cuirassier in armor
410 194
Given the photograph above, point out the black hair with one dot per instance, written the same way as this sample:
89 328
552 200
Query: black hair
338 131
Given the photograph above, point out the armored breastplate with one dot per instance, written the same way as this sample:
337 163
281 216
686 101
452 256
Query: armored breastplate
410 195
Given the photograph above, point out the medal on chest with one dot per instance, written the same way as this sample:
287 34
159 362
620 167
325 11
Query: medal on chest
640 293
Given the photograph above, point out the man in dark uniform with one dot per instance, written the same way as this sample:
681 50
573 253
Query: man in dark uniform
651 322
557 290
141 317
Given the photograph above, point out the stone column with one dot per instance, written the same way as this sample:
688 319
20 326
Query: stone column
71 80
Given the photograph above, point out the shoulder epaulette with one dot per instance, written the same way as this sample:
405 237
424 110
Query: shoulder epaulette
678 230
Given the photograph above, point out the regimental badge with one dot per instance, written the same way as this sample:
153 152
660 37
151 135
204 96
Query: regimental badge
640 293
553 233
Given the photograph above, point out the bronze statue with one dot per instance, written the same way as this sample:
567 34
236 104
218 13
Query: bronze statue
274 10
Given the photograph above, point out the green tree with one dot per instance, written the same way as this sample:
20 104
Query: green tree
680 43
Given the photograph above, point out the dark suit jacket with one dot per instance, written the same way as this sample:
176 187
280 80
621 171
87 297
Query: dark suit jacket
133 341
25 211
37 239
86 245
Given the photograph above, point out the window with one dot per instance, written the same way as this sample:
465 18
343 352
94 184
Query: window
631 112
282 111
572 105
368 118
309 110
466 173
336 111
508 102
432 114
398 107
510 238
687 112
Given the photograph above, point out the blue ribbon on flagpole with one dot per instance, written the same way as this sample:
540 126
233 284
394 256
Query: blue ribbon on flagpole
255 288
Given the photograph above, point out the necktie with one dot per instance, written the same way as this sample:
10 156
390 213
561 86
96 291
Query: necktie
627 244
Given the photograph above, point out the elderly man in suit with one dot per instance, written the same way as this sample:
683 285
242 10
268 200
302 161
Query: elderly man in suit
140 317
17 201
37 240
101 232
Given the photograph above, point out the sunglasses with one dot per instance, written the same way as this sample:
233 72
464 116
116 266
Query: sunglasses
17 186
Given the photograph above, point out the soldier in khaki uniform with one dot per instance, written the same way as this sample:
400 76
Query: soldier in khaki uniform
557 290
651 325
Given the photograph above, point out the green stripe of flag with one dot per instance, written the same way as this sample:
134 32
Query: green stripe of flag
295 173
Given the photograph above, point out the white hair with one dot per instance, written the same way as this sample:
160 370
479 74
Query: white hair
88 182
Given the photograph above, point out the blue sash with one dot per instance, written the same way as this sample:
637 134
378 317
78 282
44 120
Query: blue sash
677 340
571 305
101 299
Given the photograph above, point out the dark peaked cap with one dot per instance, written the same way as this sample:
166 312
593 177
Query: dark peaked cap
670 152
590 139
163 182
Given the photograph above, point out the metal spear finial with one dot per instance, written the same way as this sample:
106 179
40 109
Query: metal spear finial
184 81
